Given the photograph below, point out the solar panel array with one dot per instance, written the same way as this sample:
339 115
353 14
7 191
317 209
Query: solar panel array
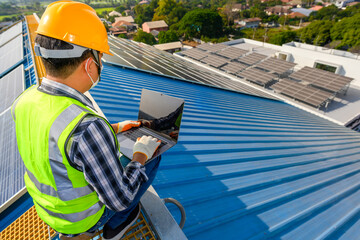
276 65
11 53
11 166
301 92
195 53
11 86
234 67
256 76
232 52
322 79
10 33
145 57
252 58
214 61
211 47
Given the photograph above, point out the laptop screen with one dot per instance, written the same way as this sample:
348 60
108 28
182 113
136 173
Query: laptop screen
161 113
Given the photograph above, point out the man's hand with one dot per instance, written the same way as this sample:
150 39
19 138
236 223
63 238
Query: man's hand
125 125
145 146
147 123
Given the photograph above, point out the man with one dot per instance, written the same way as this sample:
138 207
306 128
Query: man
71 154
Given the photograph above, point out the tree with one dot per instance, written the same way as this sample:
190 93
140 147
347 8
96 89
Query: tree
169 11
144 37
347 31
120 9
326 13
168 36
283 37
227 11
144 13
317 33
201 22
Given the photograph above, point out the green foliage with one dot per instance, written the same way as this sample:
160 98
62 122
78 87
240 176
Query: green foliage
120 9
122 35
170 11
348 31
326 13
201 22
144 37
168 36
214 40
283 37
317 33
144 13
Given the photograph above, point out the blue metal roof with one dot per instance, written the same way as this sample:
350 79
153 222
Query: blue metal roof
247 167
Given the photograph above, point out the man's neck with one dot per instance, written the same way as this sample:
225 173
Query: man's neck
71 81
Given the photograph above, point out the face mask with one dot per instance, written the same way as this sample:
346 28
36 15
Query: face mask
98 79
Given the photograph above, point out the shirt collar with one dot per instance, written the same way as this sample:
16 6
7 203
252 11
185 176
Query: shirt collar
59 89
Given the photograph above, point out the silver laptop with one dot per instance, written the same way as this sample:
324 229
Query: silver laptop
162 116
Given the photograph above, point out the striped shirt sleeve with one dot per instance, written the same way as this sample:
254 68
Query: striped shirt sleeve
92 149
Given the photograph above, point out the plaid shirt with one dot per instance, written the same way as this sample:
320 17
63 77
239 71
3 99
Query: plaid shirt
92 150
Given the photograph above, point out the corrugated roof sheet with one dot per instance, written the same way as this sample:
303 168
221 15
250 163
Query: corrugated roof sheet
248 167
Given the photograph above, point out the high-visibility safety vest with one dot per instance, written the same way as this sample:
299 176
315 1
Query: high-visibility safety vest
62 197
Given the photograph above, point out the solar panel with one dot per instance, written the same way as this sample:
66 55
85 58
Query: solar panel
232 52
252 58
11 86
275 65
234 67
10 33
322 79
256 76
11 166
195 53
211 47
214 61
303 93
145 57
11 53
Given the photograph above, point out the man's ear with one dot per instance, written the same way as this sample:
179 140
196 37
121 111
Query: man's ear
86 64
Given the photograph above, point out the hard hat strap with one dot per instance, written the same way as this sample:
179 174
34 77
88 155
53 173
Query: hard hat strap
77 51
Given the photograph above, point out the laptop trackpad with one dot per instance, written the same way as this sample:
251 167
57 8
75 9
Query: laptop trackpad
126 147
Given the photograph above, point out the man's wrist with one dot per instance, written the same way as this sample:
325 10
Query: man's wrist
115 126
139 157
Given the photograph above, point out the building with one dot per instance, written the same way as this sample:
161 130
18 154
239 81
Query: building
278 10
342 4
305 56
169 47
249 23
114 14
155 25
129 19
238 7
129 27
296 3
296 15
303 11
316 8
143 2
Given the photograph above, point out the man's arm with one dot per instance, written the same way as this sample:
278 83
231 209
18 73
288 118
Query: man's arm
94 151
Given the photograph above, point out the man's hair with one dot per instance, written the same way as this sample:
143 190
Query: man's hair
60 67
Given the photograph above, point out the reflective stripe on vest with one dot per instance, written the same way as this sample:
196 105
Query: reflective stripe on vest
76 217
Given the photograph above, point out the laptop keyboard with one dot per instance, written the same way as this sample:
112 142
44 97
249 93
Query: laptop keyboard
134 134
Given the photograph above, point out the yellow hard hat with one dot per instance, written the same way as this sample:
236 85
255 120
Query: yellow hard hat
76 23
